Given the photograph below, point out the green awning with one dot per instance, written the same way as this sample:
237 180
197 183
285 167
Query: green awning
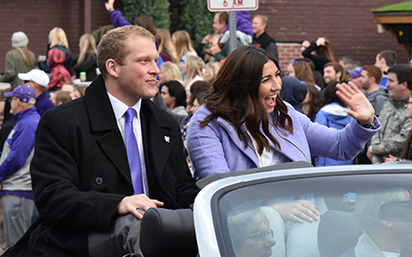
401 7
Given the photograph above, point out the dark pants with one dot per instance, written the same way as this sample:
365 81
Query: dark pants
123 240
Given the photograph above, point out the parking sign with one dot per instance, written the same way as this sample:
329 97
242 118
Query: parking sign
232 5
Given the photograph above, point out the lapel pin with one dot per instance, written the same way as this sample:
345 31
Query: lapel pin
167 139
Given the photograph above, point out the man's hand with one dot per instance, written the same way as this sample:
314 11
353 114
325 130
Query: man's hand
391 159
109 5
206 39
214 49
40 58
130 204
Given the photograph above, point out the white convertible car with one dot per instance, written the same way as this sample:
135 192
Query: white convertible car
358 210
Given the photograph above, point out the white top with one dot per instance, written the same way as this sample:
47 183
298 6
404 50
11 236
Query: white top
389 254
120 109
267 158
196 78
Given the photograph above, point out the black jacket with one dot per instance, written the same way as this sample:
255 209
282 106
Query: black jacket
80 172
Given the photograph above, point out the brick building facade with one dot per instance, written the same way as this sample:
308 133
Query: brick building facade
347 24
37 17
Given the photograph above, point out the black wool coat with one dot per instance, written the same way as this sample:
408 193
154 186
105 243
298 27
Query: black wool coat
80 172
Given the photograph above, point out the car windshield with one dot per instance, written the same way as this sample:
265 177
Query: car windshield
356 214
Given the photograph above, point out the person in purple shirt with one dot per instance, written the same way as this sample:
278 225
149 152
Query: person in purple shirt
16 191
118 20
143 21
245 124
38 80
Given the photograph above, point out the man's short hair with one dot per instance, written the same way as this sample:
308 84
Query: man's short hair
369 201
403 72
263 18
62 96
389 56
113 45
373 71
223 17
336 66
349 60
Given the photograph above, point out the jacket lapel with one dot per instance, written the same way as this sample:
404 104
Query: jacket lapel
289 147
103 123
250 150
158 139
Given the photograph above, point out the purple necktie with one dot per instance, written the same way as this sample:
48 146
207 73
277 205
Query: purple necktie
133 153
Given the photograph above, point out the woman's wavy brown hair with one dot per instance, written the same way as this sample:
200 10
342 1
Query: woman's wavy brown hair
325 51
234 96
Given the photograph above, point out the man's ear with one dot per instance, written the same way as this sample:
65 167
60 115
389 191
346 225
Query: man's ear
339 75
111 67
37 86
372 80
405 85
19 103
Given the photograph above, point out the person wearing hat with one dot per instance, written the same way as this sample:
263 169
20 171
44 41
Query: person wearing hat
39 81
19 59
16 190
355 76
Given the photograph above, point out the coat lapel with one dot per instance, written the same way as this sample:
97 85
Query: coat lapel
249 151
103 123
289 147
158 139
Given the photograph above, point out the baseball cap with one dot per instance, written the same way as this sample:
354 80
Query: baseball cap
24 93
19 39
355 73
38 76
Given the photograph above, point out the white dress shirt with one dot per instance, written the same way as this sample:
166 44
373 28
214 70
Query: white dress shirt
120 109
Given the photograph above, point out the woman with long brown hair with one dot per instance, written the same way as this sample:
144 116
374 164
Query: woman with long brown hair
311 104
244 124
261 129
87 60
165 47
183 45
303 72
319 52
192 69
244 98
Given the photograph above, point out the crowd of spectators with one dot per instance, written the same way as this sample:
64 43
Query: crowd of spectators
187 79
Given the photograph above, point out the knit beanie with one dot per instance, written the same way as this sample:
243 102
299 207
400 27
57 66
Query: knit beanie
19 39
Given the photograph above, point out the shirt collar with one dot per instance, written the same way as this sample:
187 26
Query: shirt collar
120 108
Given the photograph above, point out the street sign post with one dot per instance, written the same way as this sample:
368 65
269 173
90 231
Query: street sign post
232 5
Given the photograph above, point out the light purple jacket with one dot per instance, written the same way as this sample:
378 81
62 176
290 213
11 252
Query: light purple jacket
216 148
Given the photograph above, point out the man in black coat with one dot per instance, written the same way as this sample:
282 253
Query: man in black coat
80 171
261 38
